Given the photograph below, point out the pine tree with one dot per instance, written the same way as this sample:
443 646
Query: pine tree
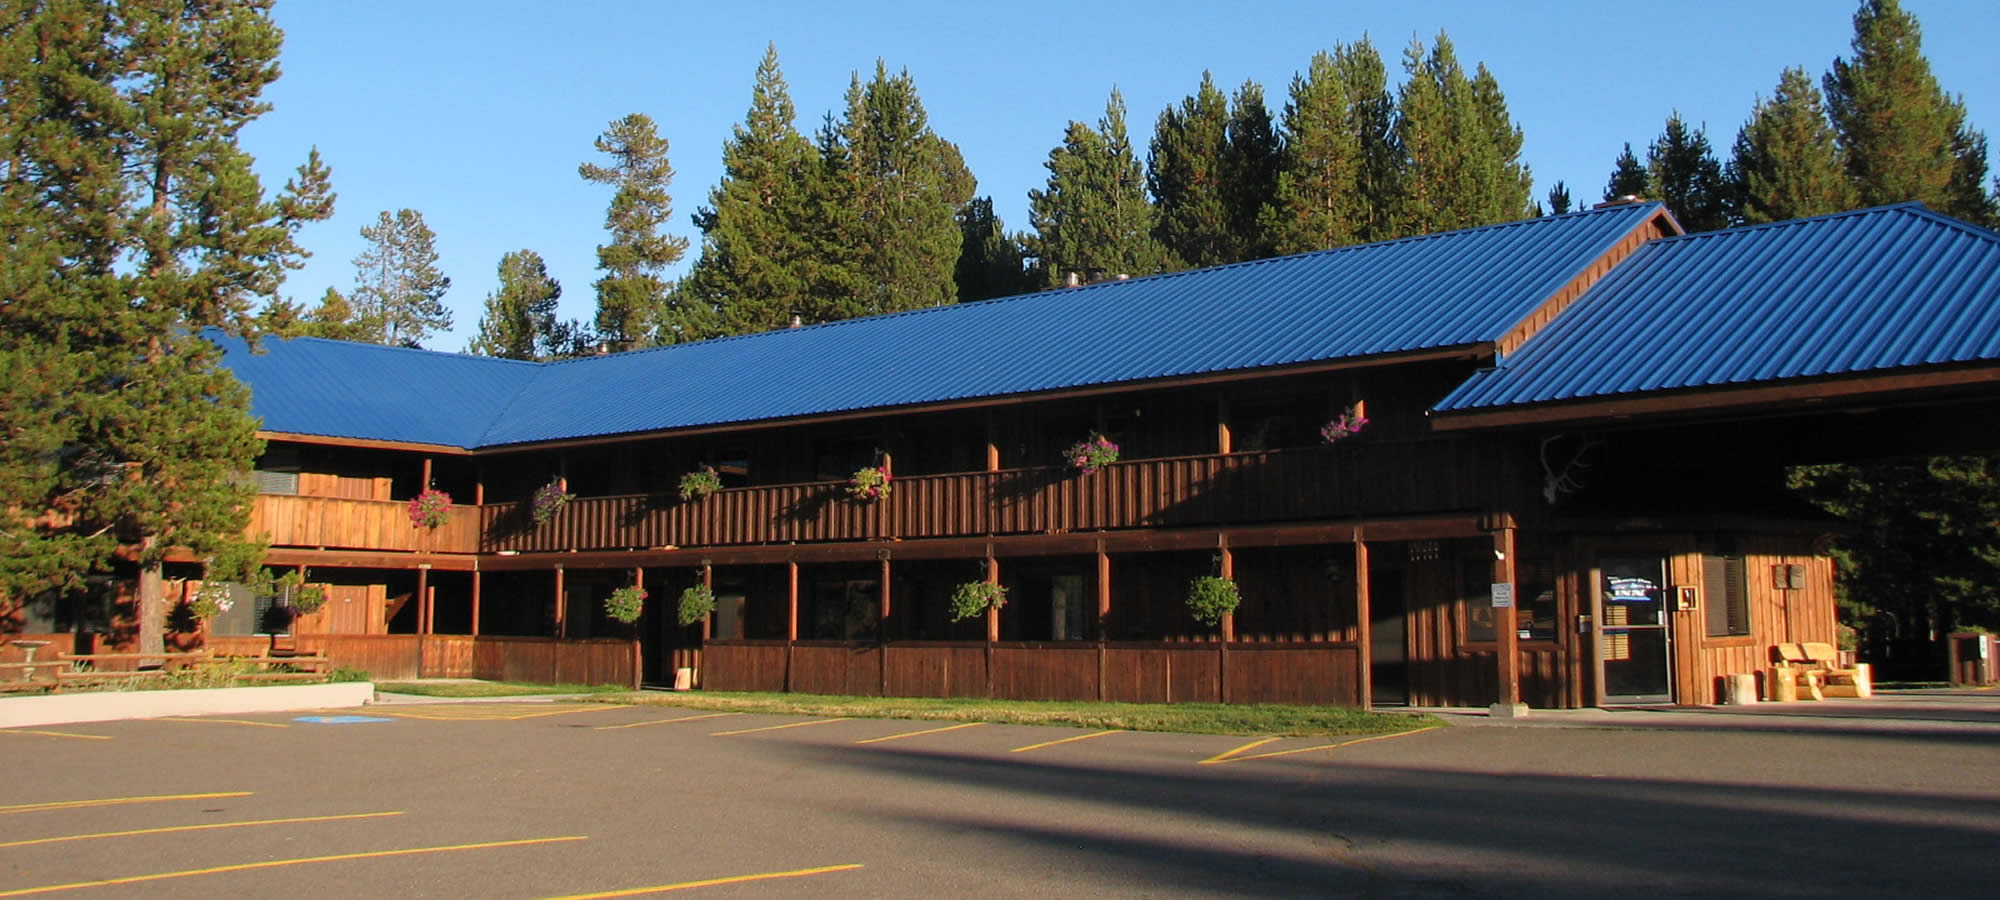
755 250
1681 172
632 307
1628 177
1336 178
1093 218
1249 171
1460 149
398 290
1559 199
133 221
907 187
1905 139
1788 163
520 318
989 260
1184 173
335 319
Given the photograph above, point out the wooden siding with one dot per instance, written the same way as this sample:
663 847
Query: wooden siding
1776 616
1139 672
400 657
1379 478
358 525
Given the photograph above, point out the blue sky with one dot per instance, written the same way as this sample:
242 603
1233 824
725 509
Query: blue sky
477 113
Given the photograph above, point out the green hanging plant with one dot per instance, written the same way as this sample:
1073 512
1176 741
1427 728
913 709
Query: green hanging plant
1210 597
696 604
625 604
700 483
974 598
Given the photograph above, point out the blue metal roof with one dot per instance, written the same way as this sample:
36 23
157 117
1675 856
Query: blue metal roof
1441 290
1895 287
349 390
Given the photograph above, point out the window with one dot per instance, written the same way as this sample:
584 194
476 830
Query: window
1534 601
1066 608
1727 595
252 614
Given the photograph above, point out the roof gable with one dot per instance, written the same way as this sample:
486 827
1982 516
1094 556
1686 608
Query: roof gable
1869 291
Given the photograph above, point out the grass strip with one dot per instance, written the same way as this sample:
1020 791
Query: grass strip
1254 720
490 688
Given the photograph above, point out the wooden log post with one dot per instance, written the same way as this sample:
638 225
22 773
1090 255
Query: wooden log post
791 617
708 619
1103 620
1226 567
882 624
423 598
561 627
992 617
1506 640
1224 442
1364 633
475 600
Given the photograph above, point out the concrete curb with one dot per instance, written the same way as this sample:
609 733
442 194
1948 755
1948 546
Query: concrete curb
59 709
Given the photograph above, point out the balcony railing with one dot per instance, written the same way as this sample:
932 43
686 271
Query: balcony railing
335 522
1373 478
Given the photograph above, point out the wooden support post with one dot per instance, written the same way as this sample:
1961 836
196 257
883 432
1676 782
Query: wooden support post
708 620
1364 633
791 617
1103 620
882 626
479 486
426 484
475 602
992 446
423 599
561 604
1226 565
992 617
1506 641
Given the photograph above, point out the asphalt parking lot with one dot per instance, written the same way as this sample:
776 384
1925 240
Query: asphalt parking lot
566 799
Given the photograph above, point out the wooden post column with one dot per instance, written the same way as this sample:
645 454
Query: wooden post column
882 625
1103 620
1506 641
707 620
562 627
992 617
475 602
791 616
423 599
1226 565
1224 443
1364 632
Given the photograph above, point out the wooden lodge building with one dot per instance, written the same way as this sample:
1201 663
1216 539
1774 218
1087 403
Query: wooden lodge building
1592 409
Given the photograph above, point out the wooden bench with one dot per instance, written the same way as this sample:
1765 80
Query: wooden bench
1812 669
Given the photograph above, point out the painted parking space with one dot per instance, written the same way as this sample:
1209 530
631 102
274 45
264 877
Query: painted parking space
46 733
487 712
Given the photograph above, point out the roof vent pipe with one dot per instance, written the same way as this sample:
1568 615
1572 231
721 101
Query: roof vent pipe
1073 279
1625 200
797 322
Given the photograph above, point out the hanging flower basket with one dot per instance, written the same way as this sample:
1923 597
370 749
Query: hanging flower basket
696 604
700 483
430 509
549 500
1345 425
869 484
625 604
210 600
1209 597
1091 453
973 598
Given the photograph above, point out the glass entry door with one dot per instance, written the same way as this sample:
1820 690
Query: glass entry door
1633 639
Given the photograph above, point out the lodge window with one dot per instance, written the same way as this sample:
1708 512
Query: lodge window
1727 594
252 614
1534 600
62 611
844 610
278 472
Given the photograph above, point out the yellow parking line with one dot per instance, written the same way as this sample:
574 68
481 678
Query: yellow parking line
777 727
923 732
223 721
205 827
1224 757
1377 737
664 721
271 864
471 712
61 734
1080 737
710 882
115 801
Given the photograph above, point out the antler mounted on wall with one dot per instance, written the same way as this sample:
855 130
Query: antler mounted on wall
1569 479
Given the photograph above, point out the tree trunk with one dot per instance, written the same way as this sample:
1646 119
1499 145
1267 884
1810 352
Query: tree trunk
152 606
